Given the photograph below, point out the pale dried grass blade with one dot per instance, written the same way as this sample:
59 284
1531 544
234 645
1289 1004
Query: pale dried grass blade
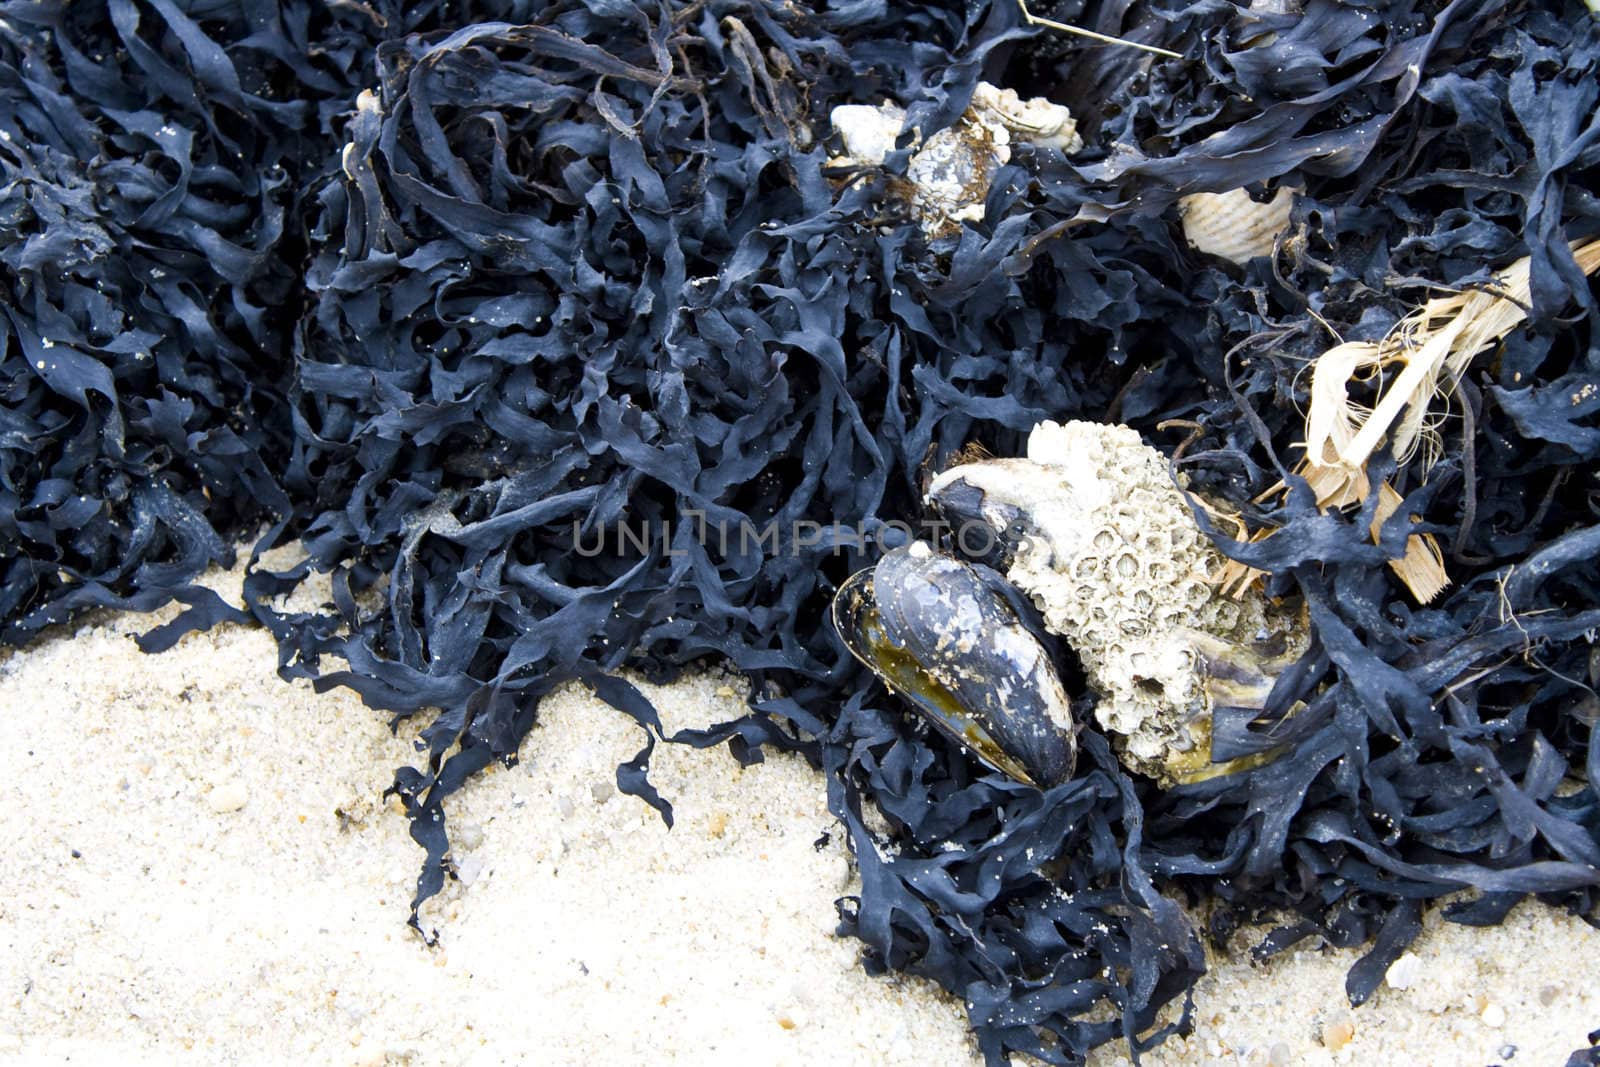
1052 24
1233 577
1434 345
1422 567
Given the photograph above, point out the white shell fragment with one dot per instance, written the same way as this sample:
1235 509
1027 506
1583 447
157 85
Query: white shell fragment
952 170
1117 565
868 132
1405 972
1233 226
227 796
1035 120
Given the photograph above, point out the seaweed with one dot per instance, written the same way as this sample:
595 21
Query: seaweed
447 292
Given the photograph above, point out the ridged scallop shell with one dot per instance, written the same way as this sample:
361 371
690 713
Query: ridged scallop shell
1233 226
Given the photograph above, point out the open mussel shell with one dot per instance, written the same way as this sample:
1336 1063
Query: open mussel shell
938 635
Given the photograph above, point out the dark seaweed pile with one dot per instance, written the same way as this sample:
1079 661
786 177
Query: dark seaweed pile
444 290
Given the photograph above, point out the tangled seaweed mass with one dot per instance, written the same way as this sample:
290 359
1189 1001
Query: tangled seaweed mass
429 286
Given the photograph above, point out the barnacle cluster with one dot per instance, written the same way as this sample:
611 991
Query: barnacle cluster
951 171
1106 547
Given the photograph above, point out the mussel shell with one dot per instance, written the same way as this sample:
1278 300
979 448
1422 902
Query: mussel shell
938 635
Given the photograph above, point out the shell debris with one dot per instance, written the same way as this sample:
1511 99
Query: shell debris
1234 227
952 170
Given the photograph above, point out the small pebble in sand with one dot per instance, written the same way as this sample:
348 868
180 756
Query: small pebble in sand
1548 995
368 1053
468 835
602 791
1404 972
470 869
1338 1030
719 824
1279 1055
1493 1015
227 796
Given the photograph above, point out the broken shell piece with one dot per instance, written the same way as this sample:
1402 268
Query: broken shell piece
1036 120
868 132
1233 226
1096 533
952 170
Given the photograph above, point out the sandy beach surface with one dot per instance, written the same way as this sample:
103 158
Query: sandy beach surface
200 867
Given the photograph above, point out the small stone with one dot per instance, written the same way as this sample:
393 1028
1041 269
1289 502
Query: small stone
368 1053
351 814
227 796
1493 1015
602 791
565 807
726 692
1279 1055
470 869
1508 1052
468 835
1548 995
719 824
1404 972
1337 1032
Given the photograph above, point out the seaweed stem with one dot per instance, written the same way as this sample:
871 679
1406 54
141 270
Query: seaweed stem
1039 20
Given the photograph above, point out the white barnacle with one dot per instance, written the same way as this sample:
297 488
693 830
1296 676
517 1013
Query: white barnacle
1115 563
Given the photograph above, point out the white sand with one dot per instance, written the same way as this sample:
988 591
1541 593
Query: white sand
587 934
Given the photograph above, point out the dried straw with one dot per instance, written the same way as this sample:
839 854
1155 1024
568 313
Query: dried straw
1433 346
